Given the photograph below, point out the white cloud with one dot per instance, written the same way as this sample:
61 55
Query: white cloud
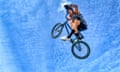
61 6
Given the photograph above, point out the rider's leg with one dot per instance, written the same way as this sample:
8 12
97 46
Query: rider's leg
75 25
80 34
69 36
72 32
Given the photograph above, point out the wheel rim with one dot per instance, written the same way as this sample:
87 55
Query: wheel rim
80 50
56 31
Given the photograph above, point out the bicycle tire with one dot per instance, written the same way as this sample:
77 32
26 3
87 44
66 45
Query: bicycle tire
57 26
87 47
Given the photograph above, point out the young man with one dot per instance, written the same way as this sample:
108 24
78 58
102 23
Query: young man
76 21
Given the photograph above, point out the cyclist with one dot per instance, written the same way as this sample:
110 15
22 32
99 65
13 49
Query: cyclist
76 21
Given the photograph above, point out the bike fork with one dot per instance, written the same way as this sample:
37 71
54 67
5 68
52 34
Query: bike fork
78 46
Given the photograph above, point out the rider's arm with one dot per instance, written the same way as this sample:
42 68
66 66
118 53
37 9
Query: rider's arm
68 17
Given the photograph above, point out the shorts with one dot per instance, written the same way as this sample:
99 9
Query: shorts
83 24
82 27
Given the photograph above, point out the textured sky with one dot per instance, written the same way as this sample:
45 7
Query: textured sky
26 44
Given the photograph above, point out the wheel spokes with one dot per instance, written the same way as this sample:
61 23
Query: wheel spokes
77 46
80 50
56 30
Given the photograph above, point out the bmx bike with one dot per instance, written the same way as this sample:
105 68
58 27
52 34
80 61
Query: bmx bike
80 49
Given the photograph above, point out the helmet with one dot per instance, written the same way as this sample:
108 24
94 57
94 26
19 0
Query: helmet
67 7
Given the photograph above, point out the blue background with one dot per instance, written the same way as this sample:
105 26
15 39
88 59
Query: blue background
26 44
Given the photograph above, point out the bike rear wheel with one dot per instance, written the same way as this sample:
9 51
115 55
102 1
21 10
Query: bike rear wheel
80 49
56 30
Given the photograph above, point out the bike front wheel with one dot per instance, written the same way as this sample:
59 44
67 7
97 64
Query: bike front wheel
80 49
57 30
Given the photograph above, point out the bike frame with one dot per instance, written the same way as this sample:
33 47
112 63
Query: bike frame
76 43
67 26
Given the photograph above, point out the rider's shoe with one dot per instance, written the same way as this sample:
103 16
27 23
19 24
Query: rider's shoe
65 38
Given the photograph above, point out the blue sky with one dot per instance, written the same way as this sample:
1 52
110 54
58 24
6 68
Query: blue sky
26 44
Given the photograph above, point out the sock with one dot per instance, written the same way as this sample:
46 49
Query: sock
69 36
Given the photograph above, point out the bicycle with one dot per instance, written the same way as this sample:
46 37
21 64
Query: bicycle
77 45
